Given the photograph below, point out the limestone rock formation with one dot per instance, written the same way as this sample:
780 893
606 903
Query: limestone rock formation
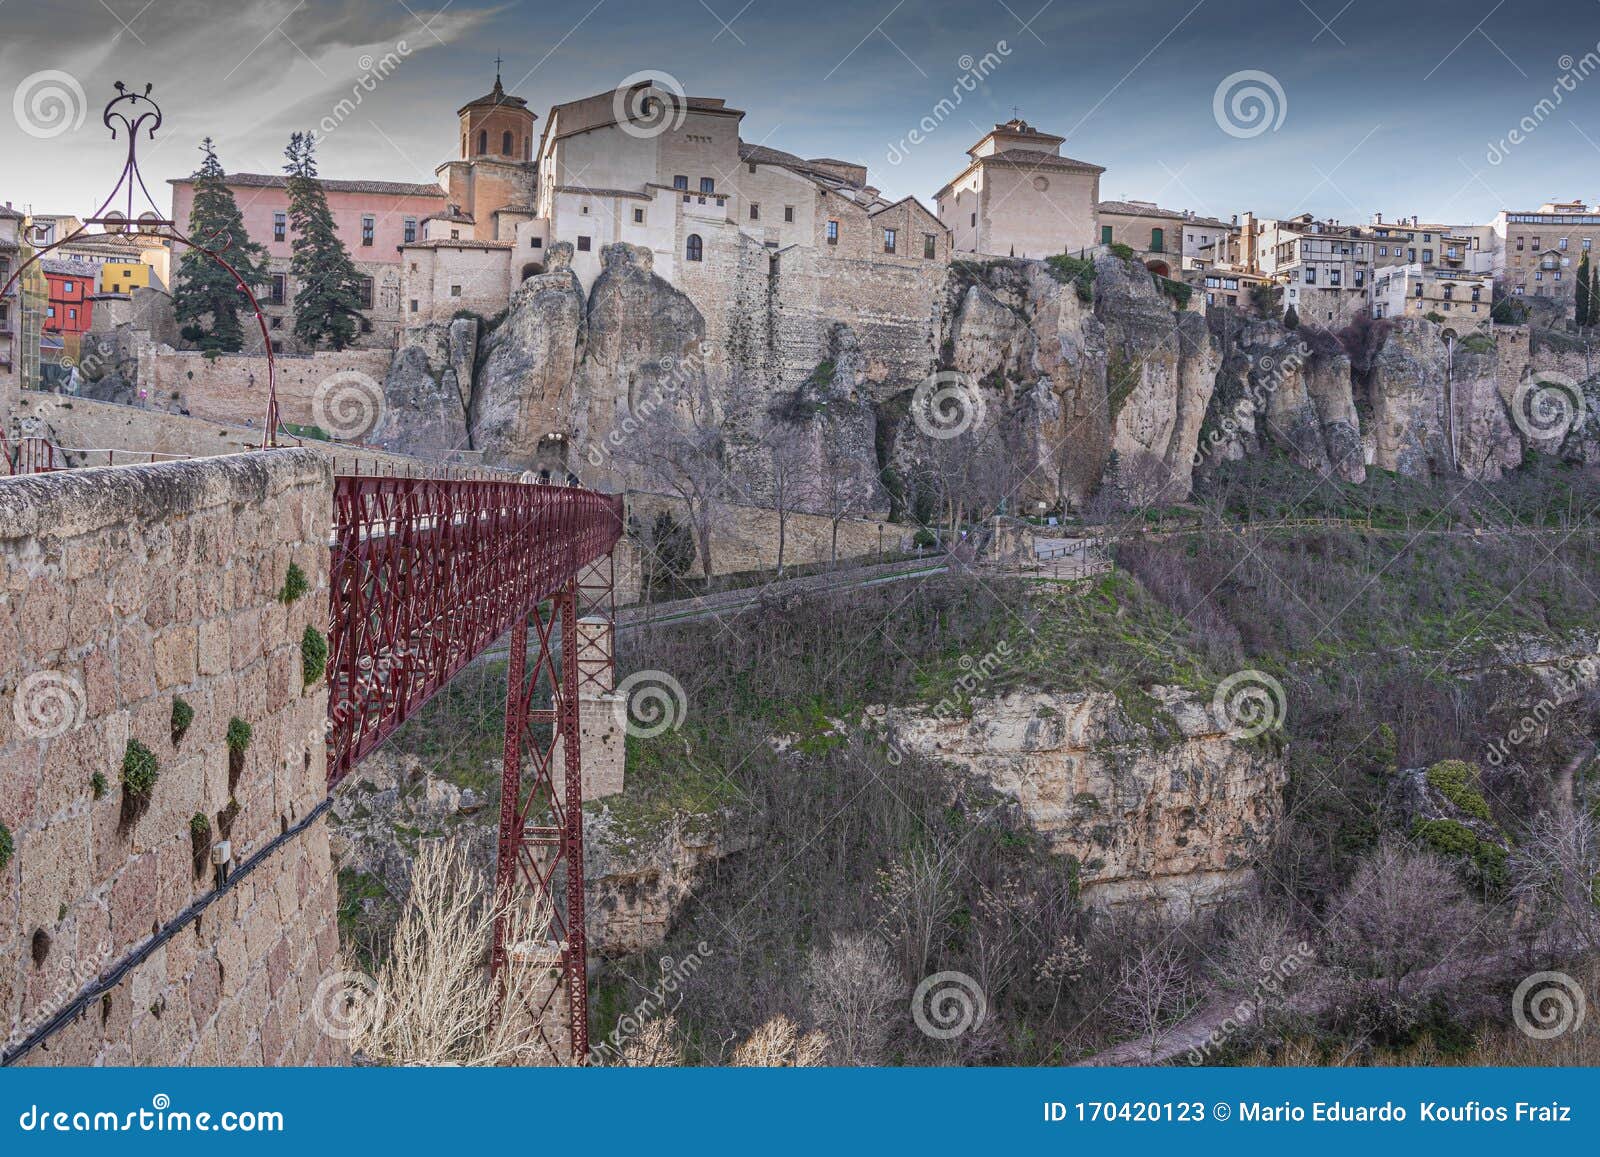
636 881
527 366
1160 371
1171 810
428 389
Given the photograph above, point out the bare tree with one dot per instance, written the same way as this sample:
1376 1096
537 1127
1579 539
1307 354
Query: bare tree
1404 911
1557 865
792 484
681 453
841 490
1153 990
779 1044
853 990
918 901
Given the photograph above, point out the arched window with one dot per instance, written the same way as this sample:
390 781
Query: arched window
694 249
483 141
505 143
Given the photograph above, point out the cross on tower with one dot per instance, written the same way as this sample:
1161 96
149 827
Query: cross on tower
1016 113
497 63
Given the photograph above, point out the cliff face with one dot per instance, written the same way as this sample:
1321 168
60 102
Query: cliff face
1050 373
1171 810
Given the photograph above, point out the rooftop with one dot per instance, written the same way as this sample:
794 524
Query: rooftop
277 181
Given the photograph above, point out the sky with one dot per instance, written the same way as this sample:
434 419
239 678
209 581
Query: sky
1341 108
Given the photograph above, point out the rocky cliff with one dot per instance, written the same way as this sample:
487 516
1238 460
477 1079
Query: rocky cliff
1166 808
1045 380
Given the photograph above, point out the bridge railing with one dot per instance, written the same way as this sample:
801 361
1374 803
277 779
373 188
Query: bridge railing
426 574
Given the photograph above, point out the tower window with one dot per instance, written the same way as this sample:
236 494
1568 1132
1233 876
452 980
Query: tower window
505 142
693 250
483 141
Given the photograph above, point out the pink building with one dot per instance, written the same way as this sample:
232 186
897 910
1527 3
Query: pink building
374 219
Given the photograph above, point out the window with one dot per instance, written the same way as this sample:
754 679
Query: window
455 235
1536 245
638 216
1383 251
833 232
974 220
1562 244
584 210
755 211
280 286
483 141
1361 278
1311 275
930 246
536 243
72 315
66 287
1334 276
413 305
277 323
1411 254
280 225
1585 249
788 213
411 230
680 182
1477 293
1105 233
1427 256
364 292
708 184
583 245
889 240
505 143
693 250
368 225
455 291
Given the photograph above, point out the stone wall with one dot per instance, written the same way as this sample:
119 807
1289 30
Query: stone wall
233 387
745 538
122 590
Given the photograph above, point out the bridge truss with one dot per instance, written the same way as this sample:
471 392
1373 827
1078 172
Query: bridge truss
426 575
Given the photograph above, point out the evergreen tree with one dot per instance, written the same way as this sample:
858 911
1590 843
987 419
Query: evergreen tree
1583 308
327 297
1594 295
205 296
1291 318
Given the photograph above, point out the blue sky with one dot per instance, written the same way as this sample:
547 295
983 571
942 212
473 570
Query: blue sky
1393 107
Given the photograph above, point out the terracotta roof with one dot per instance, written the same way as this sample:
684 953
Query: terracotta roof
69 268
452 214
451 243
275 181
8 212
497 97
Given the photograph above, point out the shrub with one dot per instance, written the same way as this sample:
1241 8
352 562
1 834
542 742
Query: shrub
182 716
200 842
1291 318
1435 316
1075 271
239 735
6 847
295 585
313 655
1179 291
139 770
97 784
1458 783
1125 252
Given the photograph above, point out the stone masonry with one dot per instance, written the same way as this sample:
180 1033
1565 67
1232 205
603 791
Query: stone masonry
122 590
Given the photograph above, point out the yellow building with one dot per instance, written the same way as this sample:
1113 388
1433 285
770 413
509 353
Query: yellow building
124 276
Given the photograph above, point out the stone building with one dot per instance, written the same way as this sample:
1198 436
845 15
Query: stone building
1462 299
1536 254
1019 197
1168 241
1324 266
10 307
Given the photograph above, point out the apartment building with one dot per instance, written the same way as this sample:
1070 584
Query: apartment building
1455 298
1536 253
